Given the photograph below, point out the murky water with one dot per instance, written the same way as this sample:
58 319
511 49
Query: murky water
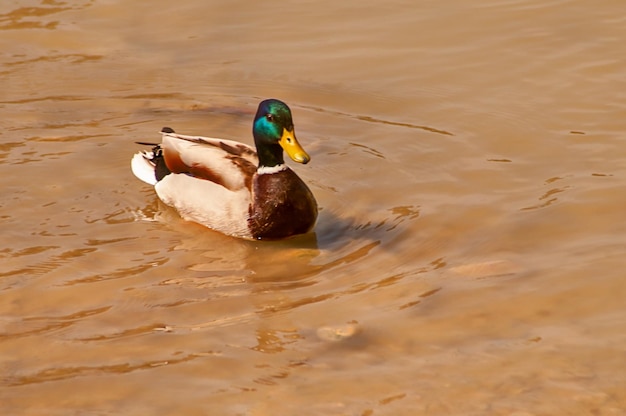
470 166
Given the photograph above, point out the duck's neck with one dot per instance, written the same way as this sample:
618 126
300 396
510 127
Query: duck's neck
265 170
270 155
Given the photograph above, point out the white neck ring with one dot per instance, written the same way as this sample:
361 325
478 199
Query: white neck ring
265 170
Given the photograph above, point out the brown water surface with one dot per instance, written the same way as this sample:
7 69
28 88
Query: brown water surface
469 160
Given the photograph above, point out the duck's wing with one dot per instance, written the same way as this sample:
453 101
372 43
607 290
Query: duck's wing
225 162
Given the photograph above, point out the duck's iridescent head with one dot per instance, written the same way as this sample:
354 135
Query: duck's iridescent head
273 132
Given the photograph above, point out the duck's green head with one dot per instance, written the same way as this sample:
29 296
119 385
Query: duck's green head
273 132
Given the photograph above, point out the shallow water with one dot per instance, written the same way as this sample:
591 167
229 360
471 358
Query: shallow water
468 161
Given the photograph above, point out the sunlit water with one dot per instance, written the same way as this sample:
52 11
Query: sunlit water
468 160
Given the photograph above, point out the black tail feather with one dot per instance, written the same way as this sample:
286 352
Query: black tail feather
160 167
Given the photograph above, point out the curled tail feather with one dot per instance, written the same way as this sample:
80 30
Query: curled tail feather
149 166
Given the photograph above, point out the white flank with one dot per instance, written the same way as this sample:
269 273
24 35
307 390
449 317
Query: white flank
143 168
265 170
207 203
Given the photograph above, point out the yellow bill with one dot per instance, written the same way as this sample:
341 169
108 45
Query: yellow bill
290 145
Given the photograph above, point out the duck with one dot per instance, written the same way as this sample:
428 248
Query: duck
229 186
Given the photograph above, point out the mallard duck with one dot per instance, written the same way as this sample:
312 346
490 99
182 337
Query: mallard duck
228 186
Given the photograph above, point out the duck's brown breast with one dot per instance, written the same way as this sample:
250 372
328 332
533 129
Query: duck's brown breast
282 205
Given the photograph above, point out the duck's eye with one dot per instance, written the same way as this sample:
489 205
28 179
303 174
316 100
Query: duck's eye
269 117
